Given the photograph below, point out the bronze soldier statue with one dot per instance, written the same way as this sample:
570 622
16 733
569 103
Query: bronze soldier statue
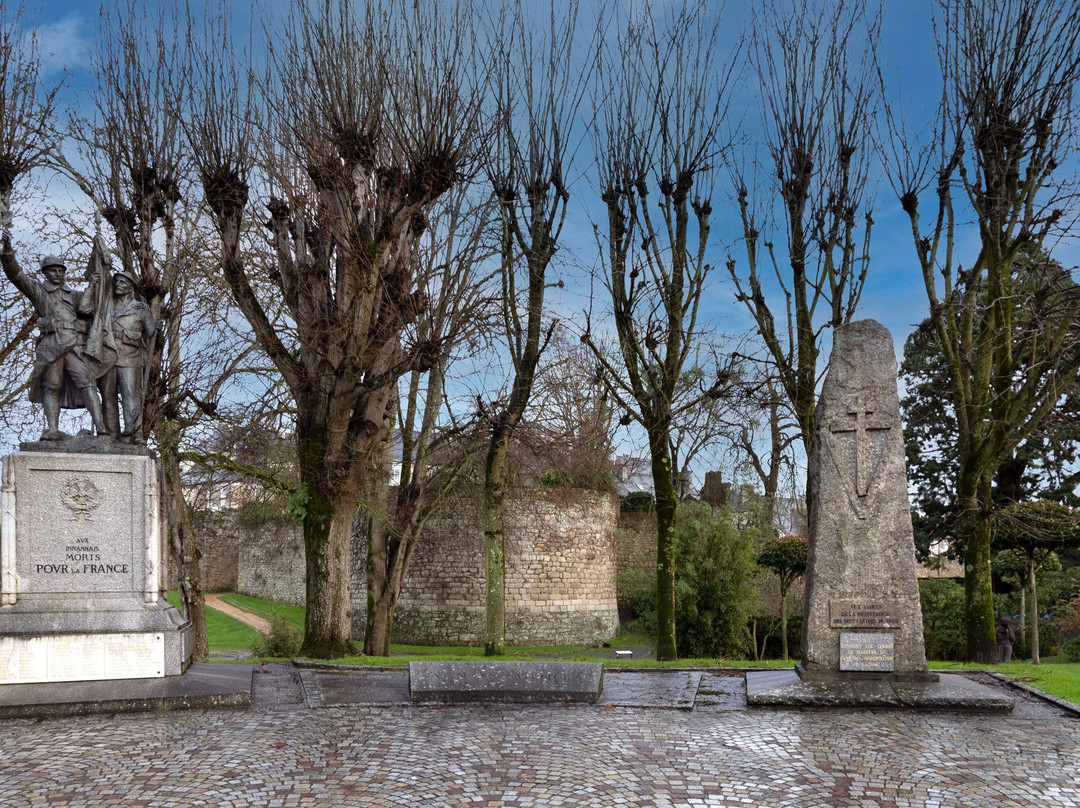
61 377
133 328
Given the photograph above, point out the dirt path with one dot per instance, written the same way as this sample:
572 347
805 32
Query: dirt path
215 602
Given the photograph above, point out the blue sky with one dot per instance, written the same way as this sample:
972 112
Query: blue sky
893 295
894 292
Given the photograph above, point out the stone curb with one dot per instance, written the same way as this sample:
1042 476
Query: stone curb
1025 688
202 686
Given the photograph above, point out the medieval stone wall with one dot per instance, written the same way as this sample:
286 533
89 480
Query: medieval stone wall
636 550
560 569
271 563
219 542
560 573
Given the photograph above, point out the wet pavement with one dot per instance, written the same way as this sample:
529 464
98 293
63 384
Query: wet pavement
287 750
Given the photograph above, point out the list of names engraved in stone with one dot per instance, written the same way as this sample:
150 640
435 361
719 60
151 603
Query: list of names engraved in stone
72 658
866 652
146 655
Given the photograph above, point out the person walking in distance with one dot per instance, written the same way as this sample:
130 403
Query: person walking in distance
1005 639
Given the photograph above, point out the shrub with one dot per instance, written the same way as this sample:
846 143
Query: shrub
555 478
630 587
714 593
1072 649
942 601
282 640
637 502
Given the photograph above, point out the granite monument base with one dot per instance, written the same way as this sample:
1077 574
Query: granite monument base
828 675
785 688
468 680
202 687
82 571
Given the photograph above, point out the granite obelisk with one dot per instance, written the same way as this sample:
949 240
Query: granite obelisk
862 616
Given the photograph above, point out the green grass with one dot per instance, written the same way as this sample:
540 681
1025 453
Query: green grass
223 633
1056 675
265 608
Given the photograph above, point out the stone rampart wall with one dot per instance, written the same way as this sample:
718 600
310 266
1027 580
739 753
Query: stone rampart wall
560 573
218 540
271 563
560 569
636 550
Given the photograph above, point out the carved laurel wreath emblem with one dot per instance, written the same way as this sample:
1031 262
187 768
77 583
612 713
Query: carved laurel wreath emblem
81 496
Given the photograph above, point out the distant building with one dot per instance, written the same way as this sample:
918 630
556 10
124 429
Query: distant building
633 475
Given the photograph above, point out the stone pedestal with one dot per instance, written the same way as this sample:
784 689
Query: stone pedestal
862 617
82 571
862 634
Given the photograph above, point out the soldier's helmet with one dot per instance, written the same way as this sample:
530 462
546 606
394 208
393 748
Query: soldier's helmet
52 261
122 274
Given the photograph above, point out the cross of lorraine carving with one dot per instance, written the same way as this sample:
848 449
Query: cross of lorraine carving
858 419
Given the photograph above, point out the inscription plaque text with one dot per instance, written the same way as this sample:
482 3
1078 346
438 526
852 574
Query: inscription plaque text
863 614
866 652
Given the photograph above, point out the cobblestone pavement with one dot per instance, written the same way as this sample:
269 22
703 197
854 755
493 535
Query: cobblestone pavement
283 753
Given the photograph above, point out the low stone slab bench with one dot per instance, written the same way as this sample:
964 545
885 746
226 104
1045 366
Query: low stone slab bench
475 680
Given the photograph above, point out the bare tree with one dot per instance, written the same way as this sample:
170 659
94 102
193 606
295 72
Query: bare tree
570 423
662 95
818 97
27 138
369 119
538 92
139 178
433 452
27 127
1005 127
27 135
760 406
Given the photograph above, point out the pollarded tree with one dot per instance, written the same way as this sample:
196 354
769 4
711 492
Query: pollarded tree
818 103
537 96
434 448
369 118
1010 72
133 149
662 98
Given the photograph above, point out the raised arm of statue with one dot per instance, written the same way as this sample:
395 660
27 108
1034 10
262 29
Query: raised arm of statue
23 282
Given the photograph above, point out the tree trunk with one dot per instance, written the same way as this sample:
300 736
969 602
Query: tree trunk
495 543
978 585
1034 606
381 594
183 547
783 624
1023 616
379 624
327 535
666 506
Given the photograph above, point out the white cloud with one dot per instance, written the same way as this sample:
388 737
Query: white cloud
64 45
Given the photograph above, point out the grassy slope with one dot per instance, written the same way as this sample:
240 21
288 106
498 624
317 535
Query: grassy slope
1056 675
223 632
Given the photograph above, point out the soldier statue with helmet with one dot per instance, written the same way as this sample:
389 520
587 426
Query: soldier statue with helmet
61 377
